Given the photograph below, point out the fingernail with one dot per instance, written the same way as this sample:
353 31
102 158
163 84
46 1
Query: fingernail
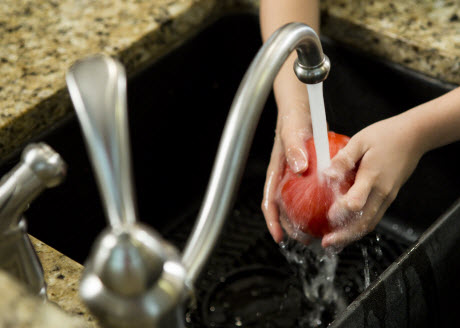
297 160
327 241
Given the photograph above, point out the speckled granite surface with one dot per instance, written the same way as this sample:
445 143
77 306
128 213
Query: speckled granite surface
19 309
62 276
41 39
423 35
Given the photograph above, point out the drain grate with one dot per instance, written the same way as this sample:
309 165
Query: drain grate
247 256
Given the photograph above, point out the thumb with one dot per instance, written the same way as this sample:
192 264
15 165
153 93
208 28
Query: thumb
296 157
345 160
295 151
294 131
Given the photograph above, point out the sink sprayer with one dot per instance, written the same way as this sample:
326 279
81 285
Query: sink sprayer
134 278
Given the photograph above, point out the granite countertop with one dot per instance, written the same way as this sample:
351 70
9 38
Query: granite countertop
423 35
18 308
62 276
41 39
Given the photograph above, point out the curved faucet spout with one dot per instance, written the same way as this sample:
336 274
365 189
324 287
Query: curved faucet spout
312 66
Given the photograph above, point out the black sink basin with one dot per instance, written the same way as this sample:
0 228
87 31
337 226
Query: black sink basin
177 109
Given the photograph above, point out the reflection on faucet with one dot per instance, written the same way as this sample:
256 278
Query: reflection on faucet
128 251
40 167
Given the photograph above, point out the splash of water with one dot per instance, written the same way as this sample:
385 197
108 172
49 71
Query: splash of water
367 274
319 124
316 271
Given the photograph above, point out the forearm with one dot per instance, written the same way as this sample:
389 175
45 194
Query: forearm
289 91
276 13
437 122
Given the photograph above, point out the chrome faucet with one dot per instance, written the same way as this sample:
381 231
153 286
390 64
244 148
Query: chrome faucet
134 278
40 168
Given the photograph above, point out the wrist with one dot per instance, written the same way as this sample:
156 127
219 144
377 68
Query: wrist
289 91
420 127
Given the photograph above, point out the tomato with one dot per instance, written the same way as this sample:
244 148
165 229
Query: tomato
305 198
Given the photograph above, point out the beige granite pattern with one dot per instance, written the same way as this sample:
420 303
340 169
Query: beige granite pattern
62 276
423 35
20 309
41 39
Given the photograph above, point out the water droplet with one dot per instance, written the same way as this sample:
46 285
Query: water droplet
367 276
238 322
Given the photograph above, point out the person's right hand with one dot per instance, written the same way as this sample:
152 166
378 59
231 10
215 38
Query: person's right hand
293 128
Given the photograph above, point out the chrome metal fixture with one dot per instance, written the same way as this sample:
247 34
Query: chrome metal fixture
134 278
40 168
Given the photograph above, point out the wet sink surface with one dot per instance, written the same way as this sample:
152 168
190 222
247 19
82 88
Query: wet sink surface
177 109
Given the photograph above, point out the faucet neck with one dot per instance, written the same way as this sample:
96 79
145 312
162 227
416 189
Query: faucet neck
311 67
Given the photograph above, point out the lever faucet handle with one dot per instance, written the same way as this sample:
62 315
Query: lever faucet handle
97 86
40 168
132 277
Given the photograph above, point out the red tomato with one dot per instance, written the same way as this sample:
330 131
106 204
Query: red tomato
306 199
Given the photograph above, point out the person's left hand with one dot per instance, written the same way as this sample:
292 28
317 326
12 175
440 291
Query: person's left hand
386 154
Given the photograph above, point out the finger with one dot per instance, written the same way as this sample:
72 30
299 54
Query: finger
339 213
345 160
356 197
269 206
296 157
294 232
360 223
294 131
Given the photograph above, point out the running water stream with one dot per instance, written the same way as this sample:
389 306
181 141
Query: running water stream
319 125
314 266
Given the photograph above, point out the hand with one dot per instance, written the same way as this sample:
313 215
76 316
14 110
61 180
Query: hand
294 123
293 128
386 153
